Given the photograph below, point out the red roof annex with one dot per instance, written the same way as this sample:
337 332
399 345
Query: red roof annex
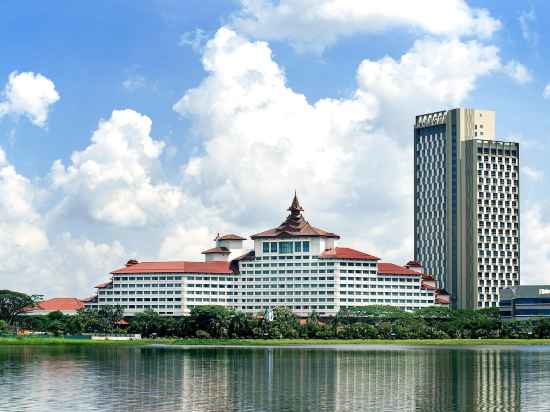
56 304
346 253
393 269
176 267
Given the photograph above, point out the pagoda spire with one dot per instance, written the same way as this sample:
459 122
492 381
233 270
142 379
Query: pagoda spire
295 208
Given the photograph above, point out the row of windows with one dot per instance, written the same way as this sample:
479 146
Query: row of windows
139 292
210 285
299 307
289 264
495 151
141 278
285 247
289 292
282 300
139 300
497 268
283 257
287 271
496 282
147 285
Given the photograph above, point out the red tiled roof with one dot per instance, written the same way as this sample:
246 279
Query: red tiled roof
245 256
229 236
413 264
426 285
103 285
176 267
217 250
392 269
346 253
60 304
442 299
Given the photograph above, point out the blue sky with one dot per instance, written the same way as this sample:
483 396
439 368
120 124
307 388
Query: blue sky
252 127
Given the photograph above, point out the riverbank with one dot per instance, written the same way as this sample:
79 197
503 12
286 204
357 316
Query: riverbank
49 341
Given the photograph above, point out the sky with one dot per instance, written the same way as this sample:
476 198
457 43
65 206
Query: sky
142 129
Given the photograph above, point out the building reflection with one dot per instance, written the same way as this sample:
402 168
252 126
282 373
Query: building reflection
389 379
343 380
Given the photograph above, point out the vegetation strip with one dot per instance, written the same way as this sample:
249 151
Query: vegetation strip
40 341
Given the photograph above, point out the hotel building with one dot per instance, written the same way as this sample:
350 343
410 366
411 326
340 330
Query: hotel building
466 205
295 265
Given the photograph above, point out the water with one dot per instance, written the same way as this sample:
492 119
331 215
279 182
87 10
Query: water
304 379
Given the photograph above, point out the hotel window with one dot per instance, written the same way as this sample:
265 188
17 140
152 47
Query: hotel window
297 247
273 247
265 247
305 246
285 247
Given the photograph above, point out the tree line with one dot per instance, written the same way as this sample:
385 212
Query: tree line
370 322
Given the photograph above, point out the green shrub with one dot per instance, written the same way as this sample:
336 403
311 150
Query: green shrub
202 334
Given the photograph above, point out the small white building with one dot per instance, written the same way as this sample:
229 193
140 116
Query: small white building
295 265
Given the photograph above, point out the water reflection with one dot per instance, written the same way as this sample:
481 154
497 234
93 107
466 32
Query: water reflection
133 379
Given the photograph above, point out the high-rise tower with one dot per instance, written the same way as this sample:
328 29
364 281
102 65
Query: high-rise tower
466 205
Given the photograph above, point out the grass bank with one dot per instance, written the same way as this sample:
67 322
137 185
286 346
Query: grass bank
47 341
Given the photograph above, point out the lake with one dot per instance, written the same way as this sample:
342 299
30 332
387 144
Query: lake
338 378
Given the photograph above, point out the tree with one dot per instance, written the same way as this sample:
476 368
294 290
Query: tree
14 303
102 320
312 326
239 326
212 319
56 327
3 326
542 328
284 324
373 312
146 323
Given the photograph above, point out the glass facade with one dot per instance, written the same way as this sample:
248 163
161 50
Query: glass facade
286 247
430 199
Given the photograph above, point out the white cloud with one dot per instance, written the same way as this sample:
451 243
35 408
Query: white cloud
546 91
134 83
186 244
535 239
518 72
34 256
532 173
28 94
526 21
115 178
195 39
317 24
19 221
262 139
432 75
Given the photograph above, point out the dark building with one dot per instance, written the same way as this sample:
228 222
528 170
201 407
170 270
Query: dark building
525 302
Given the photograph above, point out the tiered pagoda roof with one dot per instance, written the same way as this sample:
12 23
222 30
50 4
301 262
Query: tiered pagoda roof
295 226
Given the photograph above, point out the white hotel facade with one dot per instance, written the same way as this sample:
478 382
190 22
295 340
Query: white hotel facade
294 265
